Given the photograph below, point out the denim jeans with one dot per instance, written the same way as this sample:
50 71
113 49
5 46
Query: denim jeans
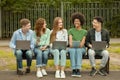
103 53
19 53
76 57
59 57
41 57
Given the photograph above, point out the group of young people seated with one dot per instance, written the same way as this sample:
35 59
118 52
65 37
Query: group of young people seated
42 37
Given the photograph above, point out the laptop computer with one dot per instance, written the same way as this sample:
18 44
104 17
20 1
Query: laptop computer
76 44
59 45
23 44
99 45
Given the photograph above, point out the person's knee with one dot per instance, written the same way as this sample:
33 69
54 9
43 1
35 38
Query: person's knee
46 54
29 53
18 53
105 53
55 52
91 52
63 52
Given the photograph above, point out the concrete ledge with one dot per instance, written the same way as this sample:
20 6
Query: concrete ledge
11 75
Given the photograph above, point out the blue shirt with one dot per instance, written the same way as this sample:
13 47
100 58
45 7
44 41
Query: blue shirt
18 35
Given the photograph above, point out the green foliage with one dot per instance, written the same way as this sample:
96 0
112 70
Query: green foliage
22 5
17 5
114 26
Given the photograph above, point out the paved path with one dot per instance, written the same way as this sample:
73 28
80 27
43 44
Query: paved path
6 42
11 75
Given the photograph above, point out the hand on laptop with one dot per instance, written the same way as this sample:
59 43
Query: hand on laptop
81 45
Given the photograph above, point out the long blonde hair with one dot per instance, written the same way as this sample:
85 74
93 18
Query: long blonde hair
55 29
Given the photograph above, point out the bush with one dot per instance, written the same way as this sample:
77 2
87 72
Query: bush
114 26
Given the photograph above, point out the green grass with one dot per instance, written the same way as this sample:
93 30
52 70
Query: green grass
114 48
8 60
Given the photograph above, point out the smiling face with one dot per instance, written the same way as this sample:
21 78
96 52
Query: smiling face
44 25
77 23
96 24
26 27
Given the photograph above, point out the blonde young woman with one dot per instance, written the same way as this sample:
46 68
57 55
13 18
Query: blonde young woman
42 38
58 33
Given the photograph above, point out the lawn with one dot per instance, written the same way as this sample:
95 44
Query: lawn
8 60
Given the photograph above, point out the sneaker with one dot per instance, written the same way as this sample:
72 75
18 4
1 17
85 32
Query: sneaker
27 70
62 74
57 74
93 72
39 74
78 74
44 72
102 72
21 72
73 72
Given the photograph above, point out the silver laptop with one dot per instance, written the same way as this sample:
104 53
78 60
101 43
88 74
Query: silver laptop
59 45
99 45
76 44
23 44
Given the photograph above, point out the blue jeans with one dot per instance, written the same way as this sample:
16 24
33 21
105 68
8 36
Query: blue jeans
57 54
76 57
41 57
19 53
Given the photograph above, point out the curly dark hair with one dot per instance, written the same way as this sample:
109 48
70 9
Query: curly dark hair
79 16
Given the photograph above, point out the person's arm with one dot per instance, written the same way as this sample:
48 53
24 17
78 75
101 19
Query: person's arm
66 35
82 42
87 40
70 38
13 41
108 39
47 40
33 41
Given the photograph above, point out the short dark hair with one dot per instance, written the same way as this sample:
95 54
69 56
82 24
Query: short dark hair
99 19
79 16
24 21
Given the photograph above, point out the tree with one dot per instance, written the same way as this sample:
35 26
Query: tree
21 5
17 5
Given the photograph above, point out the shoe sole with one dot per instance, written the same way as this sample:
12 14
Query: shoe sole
76 76
94 73
39 76
73 75
102 74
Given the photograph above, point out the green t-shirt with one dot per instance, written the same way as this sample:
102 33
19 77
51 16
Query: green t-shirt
77 35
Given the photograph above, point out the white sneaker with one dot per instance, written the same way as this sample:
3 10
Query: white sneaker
44 72
62 74
57 74
39 74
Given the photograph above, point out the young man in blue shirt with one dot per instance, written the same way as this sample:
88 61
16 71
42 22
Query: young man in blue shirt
24 33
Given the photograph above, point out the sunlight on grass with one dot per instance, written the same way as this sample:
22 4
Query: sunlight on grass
8 60
114 48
